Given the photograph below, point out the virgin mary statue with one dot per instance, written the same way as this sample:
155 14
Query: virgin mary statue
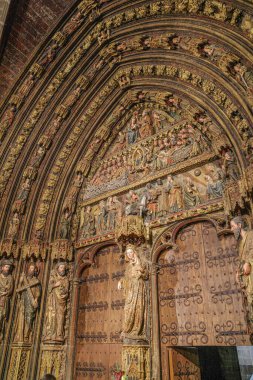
135 310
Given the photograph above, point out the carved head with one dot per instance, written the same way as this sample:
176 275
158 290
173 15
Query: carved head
61 268
130 252
239 68
237 225
32 270
6 267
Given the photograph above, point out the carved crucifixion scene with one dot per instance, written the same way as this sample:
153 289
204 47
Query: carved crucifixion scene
126 190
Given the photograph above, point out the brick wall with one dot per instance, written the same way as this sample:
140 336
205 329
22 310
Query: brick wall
27 24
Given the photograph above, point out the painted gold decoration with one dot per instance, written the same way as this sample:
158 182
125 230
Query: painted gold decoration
9 248
19 363
35 248
52 361
135 360
132 230
62 249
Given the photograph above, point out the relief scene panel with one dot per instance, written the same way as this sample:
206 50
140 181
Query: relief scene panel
156 200
154 140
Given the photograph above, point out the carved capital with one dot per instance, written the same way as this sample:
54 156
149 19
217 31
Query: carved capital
62 249
35 248
8 247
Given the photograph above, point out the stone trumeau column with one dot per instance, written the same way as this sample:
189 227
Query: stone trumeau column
132 237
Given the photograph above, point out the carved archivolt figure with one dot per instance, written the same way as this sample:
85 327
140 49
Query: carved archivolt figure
14 226
29 292
135 311
245 272
6 290
56 310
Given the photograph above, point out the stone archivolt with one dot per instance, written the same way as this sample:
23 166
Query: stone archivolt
104 66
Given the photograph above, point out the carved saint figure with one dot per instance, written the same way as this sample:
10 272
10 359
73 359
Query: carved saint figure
191 194
6 290
175 202
87 224
102 217
244 274
146 125
65 224
229 166
58 290
29 292
132 133
132 205
135 310
14 226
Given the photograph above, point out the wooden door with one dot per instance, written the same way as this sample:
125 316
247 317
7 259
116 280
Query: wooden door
184 364
101 304
199 301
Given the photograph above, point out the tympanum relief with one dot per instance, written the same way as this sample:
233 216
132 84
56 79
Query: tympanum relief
139 171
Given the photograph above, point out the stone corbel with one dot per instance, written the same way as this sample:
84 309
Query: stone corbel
35 248
62 249
132 231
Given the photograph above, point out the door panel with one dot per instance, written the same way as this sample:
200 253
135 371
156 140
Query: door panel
184 365
100 311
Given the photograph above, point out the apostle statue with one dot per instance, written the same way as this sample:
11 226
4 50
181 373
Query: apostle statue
135 311
29 292
58 290
244 274
6 290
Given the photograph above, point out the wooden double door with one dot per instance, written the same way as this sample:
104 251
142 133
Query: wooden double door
200 303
